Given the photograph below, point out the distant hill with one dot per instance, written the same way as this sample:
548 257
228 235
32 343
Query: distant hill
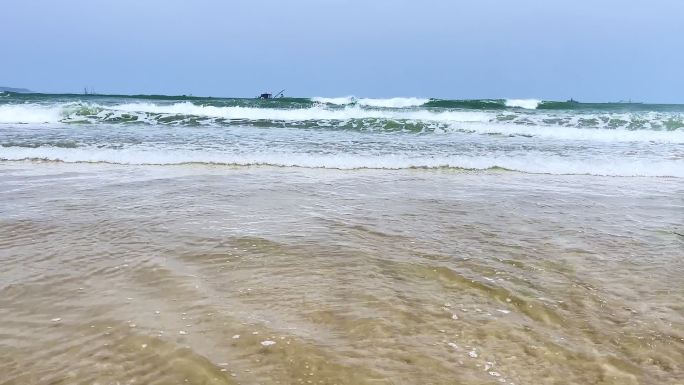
10 89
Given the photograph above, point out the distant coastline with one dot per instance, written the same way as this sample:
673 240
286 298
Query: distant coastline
12 89
398 102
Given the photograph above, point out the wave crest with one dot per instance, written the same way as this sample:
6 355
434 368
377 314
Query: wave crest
529 104
30 113
398 102
659 127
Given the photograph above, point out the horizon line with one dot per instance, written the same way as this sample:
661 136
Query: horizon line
31 92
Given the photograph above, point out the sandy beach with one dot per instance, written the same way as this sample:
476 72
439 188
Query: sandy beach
264 275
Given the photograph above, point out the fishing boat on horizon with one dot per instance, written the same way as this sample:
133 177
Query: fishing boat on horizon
267 95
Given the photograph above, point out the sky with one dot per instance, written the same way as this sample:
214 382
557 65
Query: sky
589 50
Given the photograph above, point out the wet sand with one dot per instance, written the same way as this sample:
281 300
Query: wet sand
259 275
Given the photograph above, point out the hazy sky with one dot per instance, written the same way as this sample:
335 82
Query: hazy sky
598 50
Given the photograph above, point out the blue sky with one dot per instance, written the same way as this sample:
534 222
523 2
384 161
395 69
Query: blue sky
600 50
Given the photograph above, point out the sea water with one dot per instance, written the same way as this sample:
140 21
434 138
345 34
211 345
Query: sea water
150 239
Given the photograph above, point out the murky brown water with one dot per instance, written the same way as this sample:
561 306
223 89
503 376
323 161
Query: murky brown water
201 275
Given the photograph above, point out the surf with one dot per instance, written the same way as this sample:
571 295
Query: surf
531 164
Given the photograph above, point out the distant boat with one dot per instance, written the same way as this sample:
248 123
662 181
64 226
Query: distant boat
266 95
571 100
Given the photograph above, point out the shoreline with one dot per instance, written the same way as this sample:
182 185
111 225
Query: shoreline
231 166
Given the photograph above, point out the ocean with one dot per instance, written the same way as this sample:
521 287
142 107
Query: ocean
527 136
188 240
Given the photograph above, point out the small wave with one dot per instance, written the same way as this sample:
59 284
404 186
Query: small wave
393 102
340 101
530 104
570 133
130 112
475 104
528 164
300 114
377 103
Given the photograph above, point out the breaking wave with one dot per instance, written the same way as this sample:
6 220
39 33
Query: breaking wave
30 113
530 104
424 102
303 114
368 102
617 126
525 135
70 112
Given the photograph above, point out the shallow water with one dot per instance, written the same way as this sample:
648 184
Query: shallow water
116 274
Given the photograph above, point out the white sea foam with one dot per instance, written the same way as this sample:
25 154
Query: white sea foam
529 104
340 101
613 166
393 102
30 113
398 102
480 122
303 114
476 121
571 133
